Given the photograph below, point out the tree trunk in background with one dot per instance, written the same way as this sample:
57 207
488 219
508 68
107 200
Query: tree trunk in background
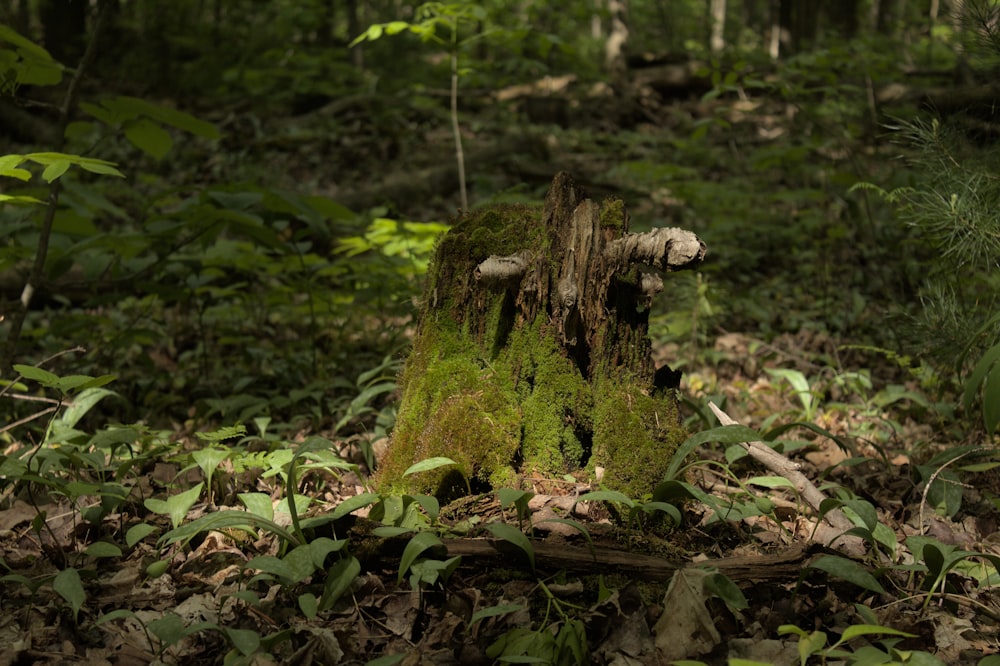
353 30
717 23
887 17
843 17
614 47
799 21
324 25
64 24
775 36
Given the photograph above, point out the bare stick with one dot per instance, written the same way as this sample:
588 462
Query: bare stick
779 464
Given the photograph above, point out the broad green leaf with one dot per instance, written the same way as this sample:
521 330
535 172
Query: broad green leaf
515 536
352 504
730 434
856 630
799 384
494 611
321 547
272 565
101 167
245 640
975 380
103 549
13 172
137 533
25 46
221 520
208 460
149 137
300 563
258 504
429 504
606 496
43 377
414 549
309 605
121 613
302 503
861 512
82 404
396 27
672 511
68 585
331 209
771 482
169 628
428 464
508 496
55 170
19 199
724 588
10 161
176 506
338 580
82 382
810 644
848 570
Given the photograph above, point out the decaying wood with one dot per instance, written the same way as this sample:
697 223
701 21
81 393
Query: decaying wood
783 566
667 249
812 495
503 268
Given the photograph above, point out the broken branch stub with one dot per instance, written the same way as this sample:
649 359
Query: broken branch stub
500 269
667 249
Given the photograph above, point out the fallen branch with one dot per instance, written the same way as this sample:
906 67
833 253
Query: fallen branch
812 495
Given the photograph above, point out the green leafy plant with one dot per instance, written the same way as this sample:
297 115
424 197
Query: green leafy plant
430 17
815 644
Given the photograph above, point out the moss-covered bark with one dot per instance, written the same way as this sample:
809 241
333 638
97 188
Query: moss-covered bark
533 355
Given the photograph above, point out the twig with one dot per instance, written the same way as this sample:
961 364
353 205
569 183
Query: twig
779 464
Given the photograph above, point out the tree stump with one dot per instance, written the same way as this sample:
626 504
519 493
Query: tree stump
532 356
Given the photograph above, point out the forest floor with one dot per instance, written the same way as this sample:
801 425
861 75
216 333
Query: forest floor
615 581
921 495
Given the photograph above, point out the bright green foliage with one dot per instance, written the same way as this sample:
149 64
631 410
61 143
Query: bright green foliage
22 62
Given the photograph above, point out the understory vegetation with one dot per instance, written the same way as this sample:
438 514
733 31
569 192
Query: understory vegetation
215 223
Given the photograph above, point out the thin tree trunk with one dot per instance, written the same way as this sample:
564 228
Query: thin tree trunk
614 47
774 42
717 21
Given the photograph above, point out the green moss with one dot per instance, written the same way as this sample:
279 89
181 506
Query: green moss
455 406
613 214
635 436
554 397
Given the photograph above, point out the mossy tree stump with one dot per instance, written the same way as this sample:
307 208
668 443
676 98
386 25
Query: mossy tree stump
532 356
